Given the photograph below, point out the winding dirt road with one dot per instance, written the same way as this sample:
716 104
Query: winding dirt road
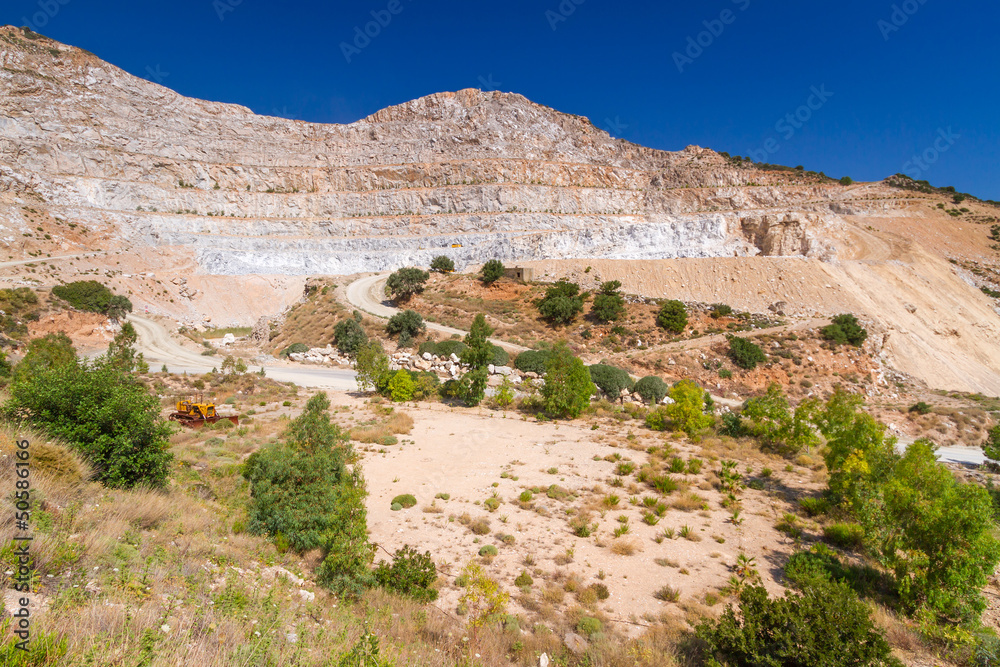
158 348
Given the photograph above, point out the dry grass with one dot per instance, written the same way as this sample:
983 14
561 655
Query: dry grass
398 423
625 546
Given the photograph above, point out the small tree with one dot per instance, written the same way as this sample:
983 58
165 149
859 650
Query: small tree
568 387
401 387
411 574
49 351
652 389
492 271
673 317
406 282
610 379
121 351
372 367
687 412
407 324
609 304
745 354
562 302
991 448
846 180
477 355
483 597
442 264
845 329
349 336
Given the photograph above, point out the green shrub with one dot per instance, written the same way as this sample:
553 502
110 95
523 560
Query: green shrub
921 408
826 625
408 323
103 412
652 389
294 348
744 353
657 419
609 304
488 550
406 500
610 379
533 361
562 303
523 579
687 412
401 386
411 574
492 271
406 282
94 297
720 310
673 317
568 387
500 356
442 264
849 535
349 336
588 626
395 507
814 506
845 329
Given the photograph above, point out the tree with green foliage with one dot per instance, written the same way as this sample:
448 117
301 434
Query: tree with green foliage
406 324
478 355
845 330
687 412
609 304
411 574
372 367
776 426
824 626
673 317
102 412
302 490
492 271
939 537
49 351
92 296
121 351
442 264
532 361
651 388
406 282
745 353
720 310
568 388
401 386
562 303
610 379
349 336
991 448
846 180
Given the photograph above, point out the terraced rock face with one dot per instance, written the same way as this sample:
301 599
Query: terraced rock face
472 175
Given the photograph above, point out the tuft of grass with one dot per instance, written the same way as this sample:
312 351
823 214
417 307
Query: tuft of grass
625 547
667 593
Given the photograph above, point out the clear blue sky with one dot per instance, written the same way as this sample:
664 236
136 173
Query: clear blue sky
928 73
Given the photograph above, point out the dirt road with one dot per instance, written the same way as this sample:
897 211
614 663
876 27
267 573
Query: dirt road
368 294
158 348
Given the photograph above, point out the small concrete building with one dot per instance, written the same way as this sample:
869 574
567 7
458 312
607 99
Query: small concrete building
519 273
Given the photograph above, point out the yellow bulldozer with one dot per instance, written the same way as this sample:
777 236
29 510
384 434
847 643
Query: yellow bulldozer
194 415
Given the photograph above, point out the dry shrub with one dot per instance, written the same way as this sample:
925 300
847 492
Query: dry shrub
553 594
688 503
397 423
625 546
480 526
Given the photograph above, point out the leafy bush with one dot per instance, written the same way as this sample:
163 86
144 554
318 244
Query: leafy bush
845 329
848 535
523 579
500 356
825 626
401 386
846 180
442 264
562 303
610 379
673 317
921 408
294 348
532 361
408 323
814 506
652 389
744 353
492 271
589 626
406 500
720 310
687 412
568 387
94 297
609 304
372 367
488 550
443 349
411 574
349 336
103 412
776 426
406 282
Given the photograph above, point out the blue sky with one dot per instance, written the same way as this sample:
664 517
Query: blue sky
854 87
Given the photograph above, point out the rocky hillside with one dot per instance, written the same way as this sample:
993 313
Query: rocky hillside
469 174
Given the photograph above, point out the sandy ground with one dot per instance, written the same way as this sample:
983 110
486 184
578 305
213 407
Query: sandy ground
464 453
